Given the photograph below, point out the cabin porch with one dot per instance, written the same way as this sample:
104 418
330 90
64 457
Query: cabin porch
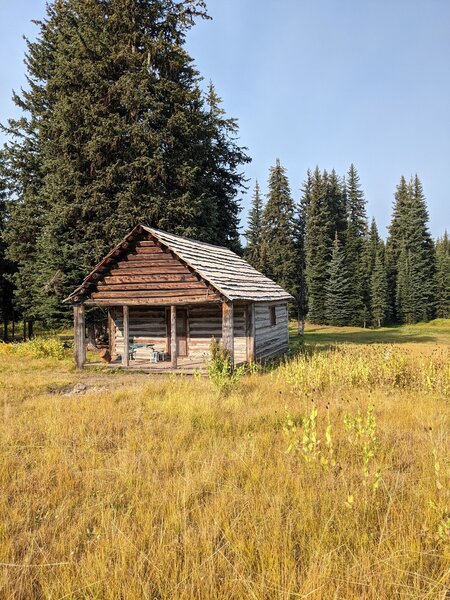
185 365
165 339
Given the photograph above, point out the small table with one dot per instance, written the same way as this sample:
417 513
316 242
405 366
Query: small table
133 347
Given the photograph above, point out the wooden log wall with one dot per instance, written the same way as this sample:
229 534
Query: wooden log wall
147 325
146 274
204 322
240 334
271 340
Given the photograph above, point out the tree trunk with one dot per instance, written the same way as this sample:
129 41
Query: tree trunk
30 329
300 323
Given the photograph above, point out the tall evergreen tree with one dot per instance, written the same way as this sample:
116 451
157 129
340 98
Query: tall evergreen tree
394 243
301 223
318 242
423 242
254 230
221 175
338 289
411 255
115 131
280 251
6 269
373 245
356 235
337 205
378 289
443 277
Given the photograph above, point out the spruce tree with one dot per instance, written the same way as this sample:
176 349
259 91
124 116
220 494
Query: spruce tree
356 235
378 289
115 131
423 244
301 224
221 177
280 252
373 245
337 205
338 289
6 270
408 293
394 243
254 230
443 277
318 243
411 255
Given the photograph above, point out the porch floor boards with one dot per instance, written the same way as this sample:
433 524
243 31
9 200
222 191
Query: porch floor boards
185 365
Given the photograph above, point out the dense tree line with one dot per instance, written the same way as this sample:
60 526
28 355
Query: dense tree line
115 130
336 266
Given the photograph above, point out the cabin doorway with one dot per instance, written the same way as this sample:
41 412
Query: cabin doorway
182 331
182 344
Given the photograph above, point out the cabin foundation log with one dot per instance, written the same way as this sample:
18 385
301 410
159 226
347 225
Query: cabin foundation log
79 324
126 337
228 329
173 336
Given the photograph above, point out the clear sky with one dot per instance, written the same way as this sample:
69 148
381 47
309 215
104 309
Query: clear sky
325 82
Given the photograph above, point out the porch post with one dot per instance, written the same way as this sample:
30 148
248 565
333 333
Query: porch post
227 329
79 327
111 333
251 332
126 337
173 336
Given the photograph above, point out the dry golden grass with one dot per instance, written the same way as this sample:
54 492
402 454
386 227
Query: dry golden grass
162 488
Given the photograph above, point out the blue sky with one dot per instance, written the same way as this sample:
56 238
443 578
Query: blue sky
325 82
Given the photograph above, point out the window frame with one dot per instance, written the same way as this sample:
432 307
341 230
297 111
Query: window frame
273 315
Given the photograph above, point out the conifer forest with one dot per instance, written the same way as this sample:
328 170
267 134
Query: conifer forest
116 129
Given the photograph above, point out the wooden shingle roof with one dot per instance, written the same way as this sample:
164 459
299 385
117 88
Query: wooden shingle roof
220 268
231 275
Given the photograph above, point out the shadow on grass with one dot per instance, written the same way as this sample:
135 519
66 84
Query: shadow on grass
391 335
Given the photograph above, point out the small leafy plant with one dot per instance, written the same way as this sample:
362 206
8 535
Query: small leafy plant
304 438
362 435
220 367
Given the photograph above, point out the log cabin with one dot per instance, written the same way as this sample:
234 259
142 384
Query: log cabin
167 296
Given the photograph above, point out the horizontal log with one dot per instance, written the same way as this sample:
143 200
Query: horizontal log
166 286
104 294
271 353
157 258
151 301
175 278
150 269
146 244
147 250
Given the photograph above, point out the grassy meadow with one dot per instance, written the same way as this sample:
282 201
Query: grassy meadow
323 477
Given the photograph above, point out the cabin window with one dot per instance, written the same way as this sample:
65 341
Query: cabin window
273 316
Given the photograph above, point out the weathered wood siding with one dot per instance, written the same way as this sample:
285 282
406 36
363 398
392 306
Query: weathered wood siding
240 334
204 322
271 340
145 274
147 325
